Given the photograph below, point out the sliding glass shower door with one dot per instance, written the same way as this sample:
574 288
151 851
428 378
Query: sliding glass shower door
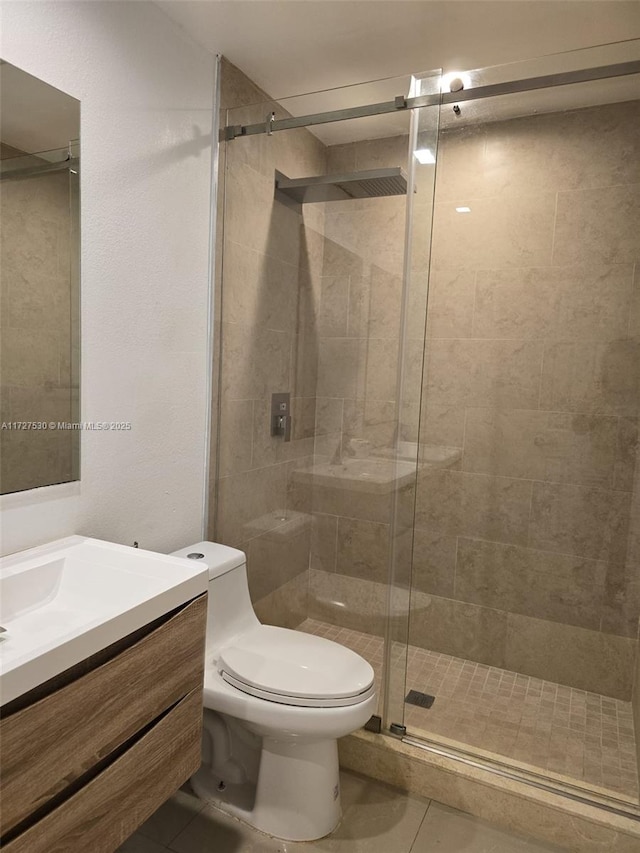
323 298
526 569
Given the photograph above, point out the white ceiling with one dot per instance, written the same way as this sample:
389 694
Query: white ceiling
34 116
292 46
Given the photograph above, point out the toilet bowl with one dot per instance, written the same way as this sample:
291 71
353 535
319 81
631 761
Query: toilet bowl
275 703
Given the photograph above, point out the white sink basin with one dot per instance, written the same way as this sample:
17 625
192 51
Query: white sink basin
61 602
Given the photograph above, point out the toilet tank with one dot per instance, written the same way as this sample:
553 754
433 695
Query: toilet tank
229 608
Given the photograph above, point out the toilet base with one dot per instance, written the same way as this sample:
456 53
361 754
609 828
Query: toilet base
297 794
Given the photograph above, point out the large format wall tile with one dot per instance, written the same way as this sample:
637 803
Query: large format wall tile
359 305
349 602
287 605
441 424
434 562
236 437
567 654
474 505
271 299
247 498
593 147
627 468
566 303
256 361
371 420
329 412
254 219
380 368
531 369
338 367
324 542
29 238
385 289
303 377
621 607
260 290
363 549
369 506
32 459
31 357
35 301
539 445
357 227
337 259
591 523
498 232
452 294
457 628
277 556
592 376
557 587
480 373
633 536
600 226
382 153
577 657
461 172
334 307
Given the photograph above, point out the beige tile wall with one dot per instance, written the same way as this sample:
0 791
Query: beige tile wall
533 371
36 326
524 555
359 348
634 539
268 291
525 552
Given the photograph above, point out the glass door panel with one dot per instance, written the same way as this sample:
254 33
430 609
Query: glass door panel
524 605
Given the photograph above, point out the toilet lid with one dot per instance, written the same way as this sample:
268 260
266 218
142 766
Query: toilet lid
294 668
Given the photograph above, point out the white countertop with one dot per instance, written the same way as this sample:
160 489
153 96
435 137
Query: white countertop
64 601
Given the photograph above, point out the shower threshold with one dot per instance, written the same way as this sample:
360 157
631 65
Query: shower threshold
573 739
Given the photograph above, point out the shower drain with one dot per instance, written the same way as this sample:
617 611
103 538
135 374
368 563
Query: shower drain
423 700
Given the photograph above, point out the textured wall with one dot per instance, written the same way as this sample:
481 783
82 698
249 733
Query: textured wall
269 295
146 95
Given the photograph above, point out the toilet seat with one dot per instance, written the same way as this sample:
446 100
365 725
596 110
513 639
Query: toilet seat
293 668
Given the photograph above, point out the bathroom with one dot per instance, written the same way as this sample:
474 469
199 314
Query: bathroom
458 502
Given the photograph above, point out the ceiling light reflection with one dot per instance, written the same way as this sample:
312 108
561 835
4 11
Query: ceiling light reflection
424 156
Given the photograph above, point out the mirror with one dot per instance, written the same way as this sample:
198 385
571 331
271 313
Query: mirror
39 283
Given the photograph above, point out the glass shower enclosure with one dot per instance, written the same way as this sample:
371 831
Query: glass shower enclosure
442 275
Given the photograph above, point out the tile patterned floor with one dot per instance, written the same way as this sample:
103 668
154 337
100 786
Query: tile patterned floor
584 736
376 819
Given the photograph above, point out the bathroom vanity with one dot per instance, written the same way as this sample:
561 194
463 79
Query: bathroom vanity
102 669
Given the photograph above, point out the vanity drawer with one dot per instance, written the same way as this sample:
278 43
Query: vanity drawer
54 741
102 814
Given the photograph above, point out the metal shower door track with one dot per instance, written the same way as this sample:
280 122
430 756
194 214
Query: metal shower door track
584 75
39 169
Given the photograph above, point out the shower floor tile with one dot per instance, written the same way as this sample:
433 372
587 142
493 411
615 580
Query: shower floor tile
572 733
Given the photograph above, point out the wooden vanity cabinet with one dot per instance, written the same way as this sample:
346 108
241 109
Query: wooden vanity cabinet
88 757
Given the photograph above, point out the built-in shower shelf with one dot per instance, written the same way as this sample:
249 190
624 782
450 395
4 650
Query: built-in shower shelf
373 183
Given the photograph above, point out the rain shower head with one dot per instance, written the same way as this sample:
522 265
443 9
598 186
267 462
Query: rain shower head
374 183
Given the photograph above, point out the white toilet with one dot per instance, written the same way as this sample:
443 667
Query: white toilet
275 703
